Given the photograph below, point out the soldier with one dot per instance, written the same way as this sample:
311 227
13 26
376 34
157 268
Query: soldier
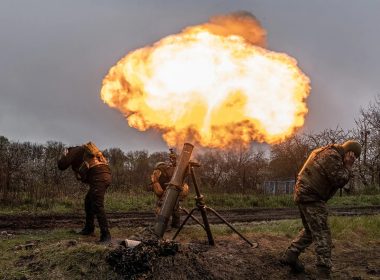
90 167
161 176
325 171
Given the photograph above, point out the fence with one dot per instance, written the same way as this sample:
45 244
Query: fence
278 187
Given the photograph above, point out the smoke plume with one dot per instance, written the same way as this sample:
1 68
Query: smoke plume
241 23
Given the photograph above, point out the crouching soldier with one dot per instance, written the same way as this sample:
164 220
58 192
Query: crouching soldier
325 171
161 176
90 167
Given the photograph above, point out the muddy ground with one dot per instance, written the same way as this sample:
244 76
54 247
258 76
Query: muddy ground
231 259
134 219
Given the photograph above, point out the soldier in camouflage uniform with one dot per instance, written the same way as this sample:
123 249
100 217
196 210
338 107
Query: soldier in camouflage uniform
326 170
90 167
161 176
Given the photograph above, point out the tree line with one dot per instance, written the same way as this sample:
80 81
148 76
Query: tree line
28 171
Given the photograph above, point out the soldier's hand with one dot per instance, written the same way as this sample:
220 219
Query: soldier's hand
64 153
155 176
349 159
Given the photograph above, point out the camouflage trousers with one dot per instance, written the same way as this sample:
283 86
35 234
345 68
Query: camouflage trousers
94 206
176 218
316 229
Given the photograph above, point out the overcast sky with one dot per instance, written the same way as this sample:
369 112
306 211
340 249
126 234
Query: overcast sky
54 55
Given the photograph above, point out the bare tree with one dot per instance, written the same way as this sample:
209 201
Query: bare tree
288 157
327 137
367 130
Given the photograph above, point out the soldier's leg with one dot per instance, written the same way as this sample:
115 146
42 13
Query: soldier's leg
316 215
298 245
89 225
304 238
98 207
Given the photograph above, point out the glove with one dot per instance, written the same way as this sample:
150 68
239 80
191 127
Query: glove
185 192
155 176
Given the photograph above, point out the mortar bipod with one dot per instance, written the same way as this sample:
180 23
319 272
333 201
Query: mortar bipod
203 208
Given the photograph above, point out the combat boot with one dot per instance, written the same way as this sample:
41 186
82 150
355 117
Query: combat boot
323 272
105 237
290 258
87 231
176 225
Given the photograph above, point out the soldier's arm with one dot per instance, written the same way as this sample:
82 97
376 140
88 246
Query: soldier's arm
155 183
67 159
336 171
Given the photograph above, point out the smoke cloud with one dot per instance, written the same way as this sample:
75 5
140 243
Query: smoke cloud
213 84
241 23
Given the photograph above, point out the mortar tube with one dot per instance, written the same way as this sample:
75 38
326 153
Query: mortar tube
173 190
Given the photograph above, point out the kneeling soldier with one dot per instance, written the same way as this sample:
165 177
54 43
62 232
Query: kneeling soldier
161 176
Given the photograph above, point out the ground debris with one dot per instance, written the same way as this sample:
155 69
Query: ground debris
373 270
27 246
131 263
71 243
6 235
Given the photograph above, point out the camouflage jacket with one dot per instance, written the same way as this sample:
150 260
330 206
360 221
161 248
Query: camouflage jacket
322 175
75 158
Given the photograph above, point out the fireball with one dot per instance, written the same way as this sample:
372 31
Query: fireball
211 84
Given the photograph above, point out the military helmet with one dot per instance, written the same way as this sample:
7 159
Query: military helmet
352 146
160 164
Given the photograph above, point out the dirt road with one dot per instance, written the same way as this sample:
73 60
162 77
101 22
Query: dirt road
134 219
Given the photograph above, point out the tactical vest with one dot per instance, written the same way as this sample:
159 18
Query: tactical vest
92 157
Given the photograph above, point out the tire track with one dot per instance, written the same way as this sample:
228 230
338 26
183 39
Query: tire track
136 218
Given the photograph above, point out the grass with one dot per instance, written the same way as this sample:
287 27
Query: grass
360 229
356 200
123 201
61 254
284 227
230 201
57 254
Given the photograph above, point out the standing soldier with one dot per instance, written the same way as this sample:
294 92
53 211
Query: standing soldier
161 176
325 171
90 167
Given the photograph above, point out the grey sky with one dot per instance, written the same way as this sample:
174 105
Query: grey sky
54 55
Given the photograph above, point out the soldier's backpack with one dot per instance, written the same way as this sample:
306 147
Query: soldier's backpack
92 157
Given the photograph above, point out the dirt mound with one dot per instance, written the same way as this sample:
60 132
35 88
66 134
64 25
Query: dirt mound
134 262
232 258
170 260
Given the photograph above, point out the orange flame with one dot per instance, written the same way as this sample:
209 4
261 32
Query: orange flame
212 89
